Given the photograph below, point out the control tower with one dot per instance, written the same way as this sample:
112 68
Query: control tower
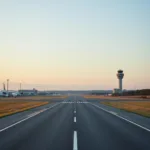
120 76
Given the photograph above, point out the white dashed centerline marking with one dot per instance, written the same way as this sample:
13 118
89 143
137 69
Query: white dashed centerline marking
75 120
75 142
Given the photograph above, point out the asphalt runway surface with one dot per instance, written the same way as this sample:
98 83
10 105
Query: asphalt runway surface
74 124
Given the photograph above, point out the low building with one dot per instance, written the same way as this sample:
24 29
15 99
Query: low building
116 91
28 92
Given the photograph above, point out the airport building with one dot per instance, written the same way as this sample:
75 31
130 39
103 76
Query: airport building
28 92
116 91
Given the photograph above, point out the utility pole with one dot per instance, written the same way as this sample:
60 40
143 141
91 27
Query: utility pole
7 85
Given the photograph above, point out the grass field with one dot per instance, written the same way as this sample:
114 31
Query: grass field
7 108
116 97
34 98
94 96
139 107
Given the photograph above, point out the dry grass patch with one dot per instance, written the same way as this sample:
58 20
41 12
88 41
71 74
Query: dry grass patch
139 107
7 108
116 97
95 96
35 98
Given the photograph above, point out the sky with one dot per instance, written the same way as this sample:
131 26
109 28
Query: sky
74 44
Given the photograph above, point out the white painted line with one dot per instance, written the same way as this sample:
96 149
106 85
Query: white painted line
75 120
32 115
114 113
75 142
122 118
75 111
38 112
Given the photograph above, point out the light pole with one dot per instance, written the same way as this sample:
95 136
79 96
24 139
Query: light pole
7 85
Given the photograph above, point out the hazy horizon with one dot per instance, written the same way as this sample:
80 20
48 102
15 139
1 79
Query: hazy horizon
74 45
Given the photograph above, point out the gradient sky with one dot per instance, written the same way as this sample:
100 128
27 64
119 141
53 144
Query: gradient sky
74 44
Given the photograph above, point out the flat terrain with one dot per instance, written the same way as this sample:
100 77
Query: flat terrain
7 108
75 123
34 98
142 108
117 97
11 105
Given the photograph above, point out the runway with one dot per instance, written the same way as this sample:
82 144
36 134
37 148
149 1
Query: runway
74 124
